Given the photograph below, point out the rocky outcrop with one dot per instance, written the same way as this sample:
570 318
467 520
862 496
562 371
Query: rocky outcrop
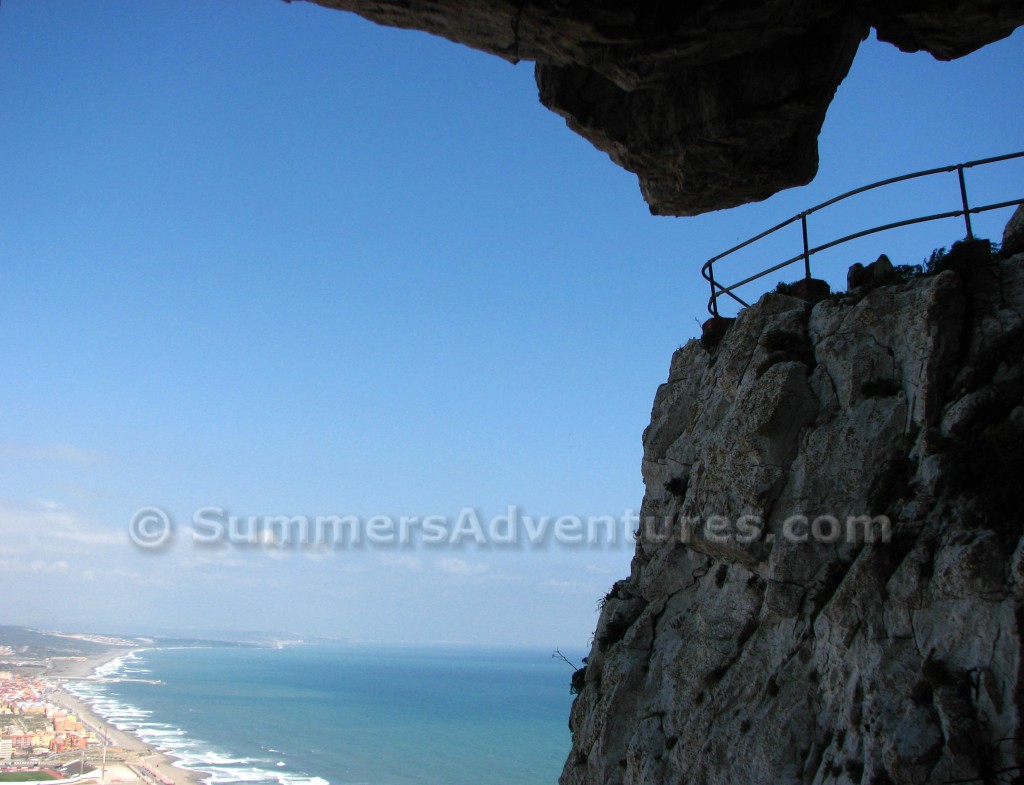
1013 235
711 103
828 584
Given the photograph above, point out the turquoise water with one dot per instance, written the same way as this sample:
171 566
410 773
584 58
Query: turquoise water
347 714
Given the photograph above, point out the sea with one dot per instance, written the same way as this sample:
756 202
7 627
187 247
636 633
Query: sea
345 714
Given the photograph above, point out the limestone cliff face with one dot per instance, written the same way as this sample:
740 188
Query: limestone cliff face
750 651
712 103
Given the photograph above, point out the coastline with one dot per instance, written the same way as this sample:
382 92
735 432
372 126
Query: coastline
83 669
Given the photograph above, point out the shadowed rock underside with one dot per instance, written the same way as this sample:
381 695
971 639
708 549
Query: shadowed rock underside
712 103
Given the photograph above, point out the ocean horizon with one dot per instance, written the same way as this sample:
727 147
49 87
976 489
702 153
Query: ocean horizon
345 714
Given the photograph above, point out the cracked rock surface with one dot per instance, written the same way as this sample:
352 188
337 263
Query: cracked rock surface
712 103
737 652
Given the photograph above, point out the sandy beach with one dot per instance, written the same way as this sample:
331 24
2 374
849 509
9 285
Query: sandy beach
63 669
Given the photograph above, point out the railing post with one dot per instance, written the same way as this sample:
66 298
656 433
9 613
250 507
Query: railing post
807 254
963 199
714 295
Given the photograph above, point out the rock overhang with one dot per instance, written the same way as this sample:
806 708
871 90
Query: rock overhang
711 103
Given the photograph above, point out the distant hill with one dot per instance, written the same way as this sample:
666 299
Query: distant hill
38 644
27 642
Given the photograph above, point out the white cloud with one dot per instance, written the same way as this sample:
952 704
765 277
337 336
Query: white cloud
404 561
460 567
88 537
224 559
45 529
60 453
38 565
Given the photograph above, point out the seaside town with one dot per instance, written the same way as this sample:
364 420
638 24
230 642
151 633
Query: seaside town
42 739
32 726
48 735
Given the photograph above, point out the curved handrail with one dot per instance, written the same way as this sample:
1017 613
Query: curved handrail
717 289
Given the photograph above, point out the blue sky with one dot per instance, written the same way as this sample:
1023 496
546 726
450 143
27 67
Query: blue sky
276 259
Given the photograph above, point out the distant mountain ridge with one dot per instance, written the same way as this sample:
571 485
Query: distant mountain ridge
41 644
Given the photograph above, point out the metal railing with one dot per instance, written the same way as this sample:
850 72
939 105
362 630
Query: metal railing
717 289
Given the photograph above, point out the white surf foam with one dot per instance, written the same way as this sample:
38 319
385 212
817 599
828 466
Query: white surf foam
218 766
